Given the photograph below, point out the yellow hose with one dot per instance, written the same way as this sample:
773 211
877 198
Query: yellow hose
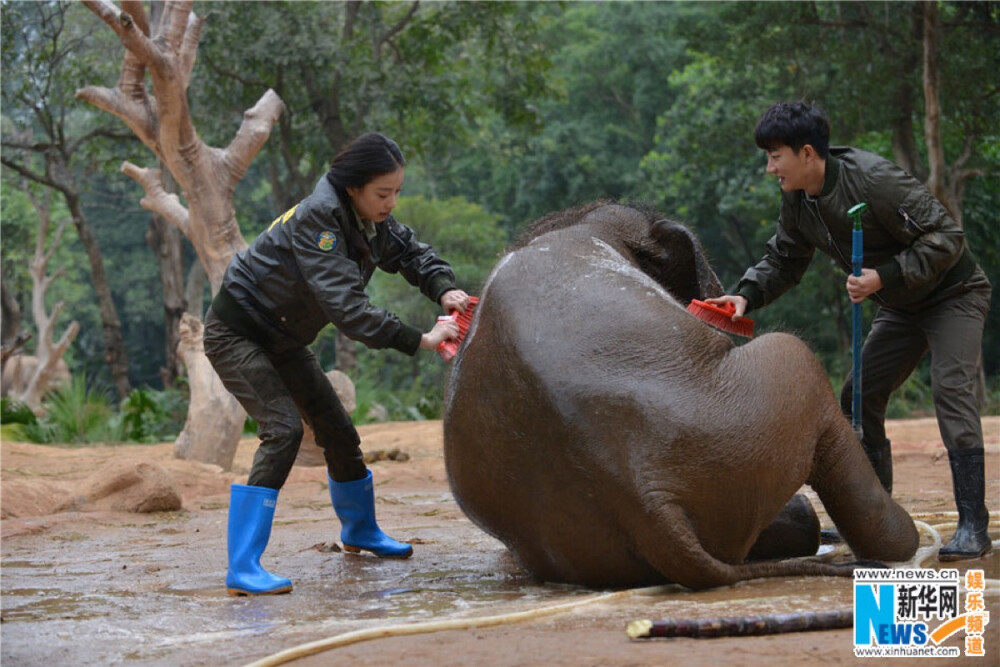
337 641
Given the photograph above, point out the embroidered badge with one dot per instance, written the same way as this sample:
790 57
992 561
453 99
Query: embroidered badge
326 240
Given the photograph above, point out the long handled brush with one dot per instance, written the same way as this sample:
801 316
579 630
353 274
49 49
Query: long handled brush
721 317
449 348
857 256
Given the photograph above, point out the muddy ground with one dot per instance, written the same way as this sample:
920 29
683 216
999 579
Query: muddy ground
101 587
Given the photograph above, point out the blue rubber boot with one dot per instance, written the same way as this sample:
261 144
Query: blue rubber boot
251 511
354 503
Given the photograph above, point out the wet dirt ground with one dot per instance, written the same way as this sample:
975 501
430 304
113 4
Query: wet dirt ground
110 588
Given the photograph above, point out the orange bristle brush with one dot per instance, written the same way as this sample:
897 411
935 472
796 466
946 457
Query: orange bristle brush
449 348
721 317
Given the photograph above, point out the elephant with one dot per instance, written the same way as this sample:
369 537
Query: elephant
609 438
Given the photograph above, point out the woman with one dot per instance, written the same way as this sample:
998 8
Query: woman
307 270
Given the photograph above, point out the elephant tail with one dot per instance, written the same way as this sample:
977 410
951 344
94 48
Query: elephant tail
797 568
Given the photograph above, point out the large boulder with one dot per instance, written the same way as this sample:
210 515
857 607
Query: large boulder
126 485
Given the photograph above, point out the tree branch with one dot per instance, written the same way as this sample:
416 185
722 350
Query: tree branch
400 24
27 173
253 133
138 114
100 133
174 24
128 31
130 82
189 46
165 204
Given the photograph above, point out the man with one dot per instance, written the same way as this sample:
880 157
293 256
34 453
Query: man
931 293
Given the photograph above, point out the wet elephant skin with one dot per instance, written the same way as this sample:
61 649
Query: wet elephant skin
609 438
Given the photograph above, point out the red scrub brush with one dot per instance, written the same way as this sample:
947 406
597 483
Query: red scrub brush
449 348
721 317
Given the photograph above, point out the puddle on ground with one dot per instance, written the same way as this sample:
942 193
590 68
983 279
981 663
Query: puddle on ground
127 595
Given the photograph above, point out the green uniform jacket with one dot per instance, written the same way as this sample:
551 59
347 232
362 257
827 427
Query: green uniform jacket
909 238
310 268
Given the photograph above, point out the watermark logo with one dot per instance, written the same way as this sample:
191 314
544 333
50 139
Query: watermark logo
910 613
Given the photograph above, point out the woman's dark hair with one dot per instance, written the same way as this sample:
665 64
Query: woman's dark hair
794 124
363 159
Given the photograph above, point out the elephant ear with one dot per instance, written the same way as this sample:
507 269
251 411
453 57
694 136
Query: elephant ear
674 257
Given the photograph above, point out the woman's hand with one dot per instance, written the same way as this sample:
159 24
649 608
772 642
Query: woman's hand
454 299
445 329
739 303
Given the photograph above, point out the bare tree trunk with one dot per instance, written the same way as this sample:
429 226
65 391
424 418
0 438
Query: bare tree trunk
206 177
212 418
932 109
946 182
114 341
904 143
48 353
194 290
166 242
10 320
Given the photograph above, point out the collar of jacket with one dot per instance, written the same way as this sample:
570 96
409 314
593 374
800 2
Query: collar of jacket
344 203
366 227
831 175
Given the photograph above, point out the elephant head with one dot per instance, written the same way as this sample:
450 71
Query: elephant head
609 437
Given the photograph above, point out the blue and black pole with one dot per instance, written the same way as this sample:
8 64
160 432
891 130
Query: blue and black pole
857 254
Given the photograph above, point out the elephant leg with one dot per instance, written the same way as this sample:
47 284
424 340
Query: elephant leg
793 533
680 557
869 520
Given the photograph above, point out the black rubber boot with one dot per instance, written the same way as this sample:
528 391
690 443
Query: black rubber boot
968 477
881 460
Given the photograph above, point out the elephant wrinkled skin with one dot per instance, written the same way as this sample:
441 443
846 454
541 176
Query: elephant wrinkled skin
609 438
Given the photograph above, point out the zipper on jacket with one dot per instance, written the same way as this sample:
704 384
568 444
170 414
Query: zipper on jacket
813 207
910 224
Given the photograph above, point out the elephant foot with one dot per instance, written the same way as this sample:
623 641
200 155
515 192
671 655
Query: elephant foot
794 533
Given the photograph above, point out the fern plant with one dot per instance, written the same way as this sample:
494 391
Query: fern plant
76 413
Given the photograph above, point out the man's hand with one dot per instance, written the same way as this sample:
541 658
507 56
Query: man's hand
454 299
739 303
860 287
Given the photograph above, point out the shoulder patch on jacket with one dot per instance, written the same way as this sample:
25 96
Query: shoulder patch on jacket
326 240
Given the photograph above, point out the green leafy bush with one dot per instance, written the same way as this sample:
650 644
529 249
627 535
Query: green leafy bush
76 413
153 416
13 411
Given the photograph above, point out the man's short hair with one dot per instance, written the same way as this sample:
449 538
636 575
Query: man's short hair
794 124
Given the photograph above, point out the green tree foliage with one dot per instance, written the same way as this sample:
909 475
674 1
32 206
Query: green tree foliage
611 62
522 108
427 74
